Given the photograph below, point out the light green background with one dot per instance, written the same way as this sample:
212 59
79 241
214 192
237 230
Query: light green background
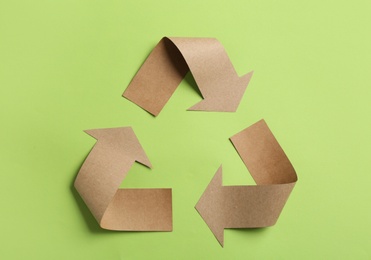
65 63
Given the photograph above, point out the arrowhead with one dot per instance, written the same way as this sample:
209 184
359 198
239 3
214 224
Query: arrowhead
226 98
123 139
211 204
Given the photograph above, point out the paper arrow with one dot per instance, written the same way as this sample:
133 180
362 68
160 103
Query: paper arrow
250 206
168 63
99 179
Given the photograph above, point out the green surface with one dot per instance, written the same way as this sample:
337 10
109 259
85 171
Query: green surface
63 68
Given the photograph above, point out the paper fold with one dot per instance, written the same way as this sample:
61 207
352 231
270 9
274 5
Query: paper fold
168 63
99 179
250 206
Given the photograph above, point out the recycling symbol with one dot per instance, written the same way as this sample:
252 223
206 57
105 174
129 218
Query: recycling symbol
117 149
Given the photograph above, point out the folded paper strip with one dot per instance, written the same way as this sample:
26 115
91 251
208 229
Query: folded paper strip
221 207
99 179
169 62
250 206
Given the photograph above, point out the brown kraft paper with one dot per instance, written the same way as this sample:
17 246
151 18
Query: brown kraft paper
250 206
99 179
168 63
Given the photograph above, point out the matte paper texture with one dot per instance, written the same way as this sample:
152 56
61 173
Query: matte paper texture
99 179
65 64
250 206
168 63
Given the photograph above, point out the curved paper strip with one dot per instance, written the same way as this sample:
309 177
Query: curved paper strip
99 179
250 206
168 63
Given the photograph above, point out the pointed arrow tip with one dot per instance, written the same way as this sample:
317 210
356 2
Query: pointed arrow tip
145 161
95 133
200 106
210 206
214 105
225 102
139 153
246 79
125 139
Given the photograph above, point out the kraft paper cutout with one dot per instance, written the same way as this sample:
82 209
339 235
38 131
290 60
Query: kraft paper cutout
250 206
99 179
161 73
220 206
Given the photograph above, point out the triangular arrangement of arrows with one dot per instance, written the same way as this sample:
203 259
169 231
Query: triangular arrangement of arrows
169 62
220 206
250 206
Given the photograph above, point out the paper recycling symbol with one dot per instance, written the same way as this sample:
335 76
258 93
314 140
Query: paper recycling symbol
117 149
